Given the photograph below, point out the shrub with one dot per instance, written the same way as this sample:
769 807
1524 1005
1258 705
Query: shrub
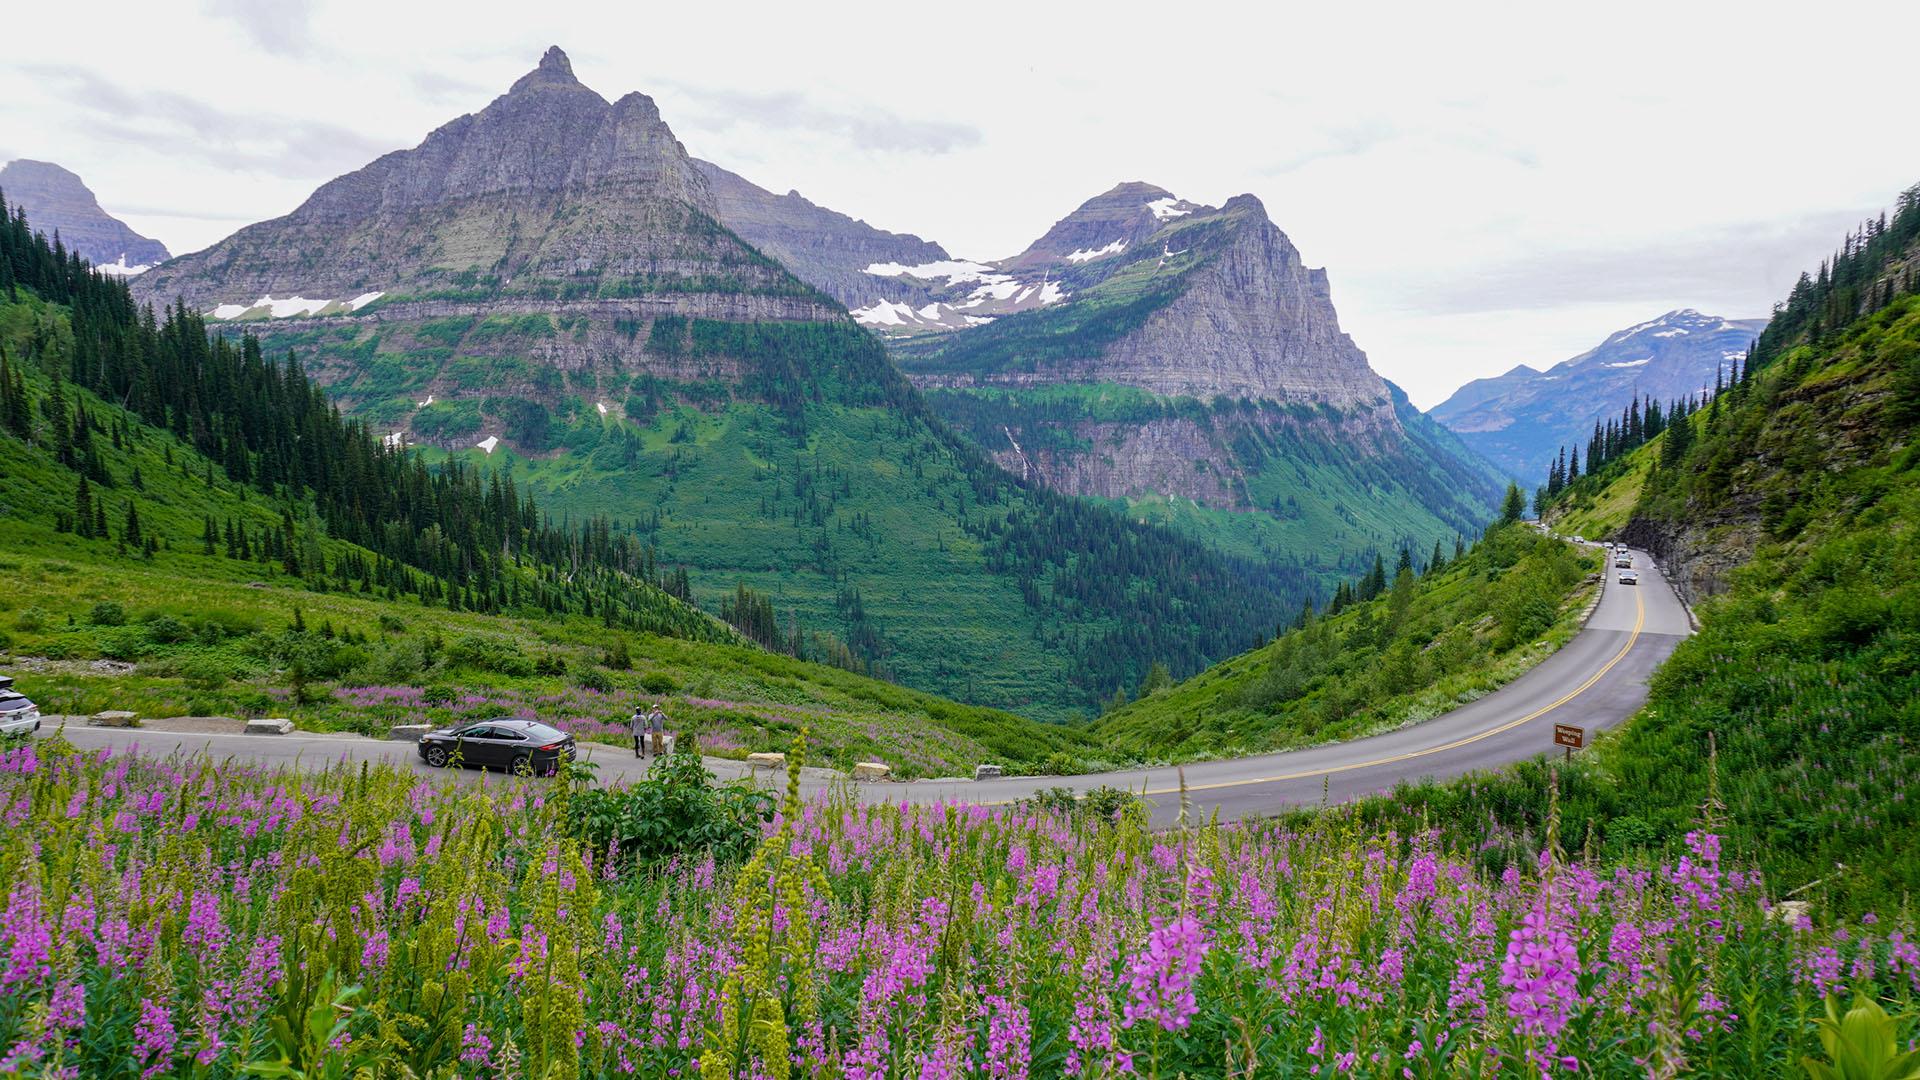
676 810
595 679
489 654
616 655
658 682
30 620
107 613
552 664
167 630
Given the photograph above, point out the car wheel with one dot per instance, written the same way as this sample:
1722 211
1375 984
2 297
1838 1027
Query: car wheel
522 765
437 756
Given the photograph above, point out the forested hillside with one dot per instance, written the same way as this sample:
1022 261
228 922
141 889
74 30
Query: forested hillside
1787 508
189 528
1394 648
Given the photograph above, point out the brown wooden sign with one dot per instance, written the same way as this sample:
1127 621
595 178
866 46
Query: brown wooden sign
1573 738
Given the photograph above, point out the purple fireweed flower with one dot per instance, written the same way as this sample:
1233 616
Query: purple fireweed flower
29 938
1160 979
154 1038
1541 974
67 1009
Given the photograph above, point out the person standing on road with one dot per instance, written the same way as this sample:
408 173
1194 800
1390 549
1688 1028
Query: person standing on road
657 726
638 726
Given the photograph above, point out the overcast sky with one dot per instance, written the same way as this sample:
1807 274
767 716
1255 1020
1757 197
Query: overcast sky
1487 185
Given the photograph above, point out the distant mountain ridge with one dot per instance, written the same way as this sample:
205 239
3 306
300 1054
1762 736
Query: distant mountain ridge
1521 419
57 200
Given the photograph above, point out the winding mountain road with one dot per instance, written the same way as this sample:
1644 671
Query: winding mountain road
1595 681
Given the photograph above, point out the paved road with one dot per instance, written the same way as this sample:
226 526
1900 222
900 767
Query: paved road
1596 681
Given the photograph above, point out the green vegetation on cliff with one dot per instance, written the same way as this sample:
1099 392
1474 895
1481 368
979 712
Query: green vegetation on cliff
1410 647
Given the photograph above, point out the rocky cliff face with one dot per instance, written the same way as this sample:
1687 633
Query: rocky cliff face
1521 419
825 248
57 201
1191 355
550 192
1174 298
1255 322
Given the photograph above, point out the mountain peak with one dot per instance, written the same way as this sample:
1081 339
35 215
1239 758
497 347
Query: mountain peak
57 200
554 70
1132 189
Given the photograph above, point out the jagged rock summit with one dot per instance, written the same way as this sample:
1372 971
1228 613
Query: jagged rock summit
550 193
57 200
1105 225
1142 288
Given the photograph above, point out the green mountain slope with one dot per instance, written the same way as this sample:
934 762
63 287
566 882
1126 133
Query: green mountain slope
578 314
215 576
1412 647
1788 510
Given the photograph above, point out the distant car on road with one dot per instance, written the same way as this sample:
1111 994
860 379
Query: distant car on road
1629 577
506 743
18 715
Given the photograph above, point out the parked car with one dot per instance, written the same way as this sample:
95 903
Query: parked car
505 743
1628 577
18 714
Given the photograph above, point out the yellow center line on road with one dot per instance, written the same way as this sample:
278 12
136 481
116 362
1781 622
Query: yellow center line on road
1640 620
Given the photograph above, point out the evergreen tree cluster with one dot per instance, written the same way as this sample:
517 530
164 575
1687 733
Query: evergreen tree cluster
452 534
1638 424
1872 267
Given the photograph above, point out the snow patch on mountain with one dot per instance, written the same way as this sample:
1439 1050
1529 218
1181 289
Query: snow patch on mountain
119 267
885 313
1086 255
956 271
1642 362
270 307
1169 208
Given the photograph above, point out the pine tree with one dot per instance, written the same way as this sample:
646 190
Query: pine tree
1514 506
130 534
83 510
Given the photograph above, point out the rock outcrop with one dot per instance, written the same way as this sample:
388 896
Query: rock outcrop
824 248
549 192
1521 419
1192 355
56 200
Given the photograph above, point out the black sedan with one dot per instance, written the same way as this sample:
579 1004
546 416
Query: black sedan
506 743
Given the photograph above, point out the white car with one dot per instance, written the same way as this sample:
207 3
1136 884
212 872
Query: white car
1628 577
18 715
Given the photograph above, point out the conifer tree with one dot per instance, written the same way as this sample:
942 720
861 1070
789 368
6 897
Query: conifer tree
83 510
